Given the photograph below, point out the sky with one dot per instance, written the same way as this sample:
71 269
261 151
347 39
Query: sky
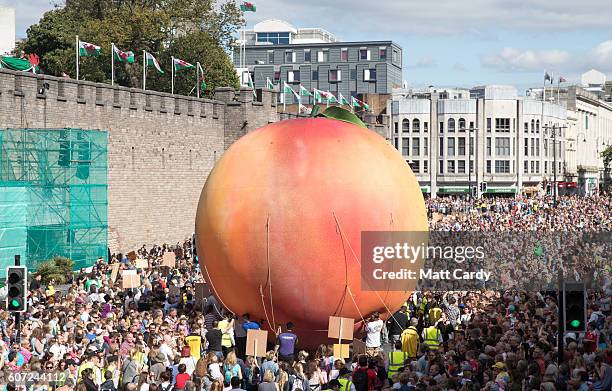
449 43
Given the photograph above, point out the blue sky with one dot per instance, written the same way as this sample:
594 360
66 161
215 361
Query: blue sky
449 42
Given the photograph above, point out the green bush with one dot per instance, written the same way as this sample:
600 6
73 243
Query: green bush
57 269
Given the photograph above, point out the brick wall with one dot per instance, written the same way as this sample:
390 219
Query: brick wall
161 147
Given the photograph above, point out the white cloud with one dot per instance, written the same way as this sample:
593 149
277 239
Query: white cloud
512 59
459 67
424 62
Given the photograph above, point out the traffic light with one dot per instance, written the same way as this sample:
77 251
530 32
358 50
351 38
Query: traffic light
16 284
474 191
483 187
574 306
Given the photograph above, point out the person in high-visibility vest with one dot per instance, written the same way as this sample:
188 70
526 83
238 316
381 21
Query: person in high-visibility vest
410 339
432 337
396 360
435 313
344 377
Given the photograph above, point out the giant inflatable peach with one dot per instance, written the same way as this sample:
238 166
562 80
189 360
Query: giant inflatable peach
280 218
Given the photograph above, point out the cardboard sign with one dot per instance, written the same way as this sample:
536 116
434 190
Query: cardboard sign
132 256
130 280
341 350
169 259
256 343
114 271
359 347
142 263
340 328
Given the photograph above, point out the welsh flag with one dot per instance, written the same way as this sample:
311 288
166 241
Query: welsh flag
123 56
269 84
252 85
88 49
318 94
153 61
248 7
304 91
355 102
203 83
562 79
358 103
331 98
288 90
342 99
179 65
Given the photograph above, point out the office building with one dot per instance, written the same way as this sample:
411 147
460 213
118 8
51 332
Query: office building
7 30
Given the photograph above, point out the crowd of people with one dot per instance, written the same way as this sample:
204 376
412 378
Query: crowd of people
169 334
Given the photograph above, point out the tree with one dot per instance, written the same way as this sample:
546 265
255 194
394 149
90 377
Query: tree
57 269
136 25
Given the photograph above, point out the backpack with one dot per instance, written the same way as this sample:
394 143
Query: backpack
600 322
297 383
360 379
228 374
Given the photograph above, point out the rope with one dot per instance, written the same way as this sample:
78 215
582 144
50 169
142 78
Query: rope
356 306
343 298
269 272
215 291
263 304
359 262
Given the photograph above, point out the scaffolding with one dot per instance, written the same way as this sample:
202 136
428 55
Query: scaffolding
53 195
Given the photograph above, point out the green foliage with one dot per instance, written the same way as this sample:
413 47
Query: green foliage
57 269
192 30
607 156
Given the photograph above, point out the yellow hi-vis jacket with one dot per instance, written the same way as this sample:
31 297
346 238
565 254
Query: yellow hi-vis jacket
345 384
410 341
396 361
431 337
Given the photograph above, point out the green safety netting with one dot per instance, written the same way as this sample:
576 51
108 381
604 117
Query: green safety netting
17 64
53 195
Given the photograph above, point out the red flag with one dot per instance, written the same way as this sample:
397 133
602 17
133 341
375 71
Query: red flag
562 79
33 59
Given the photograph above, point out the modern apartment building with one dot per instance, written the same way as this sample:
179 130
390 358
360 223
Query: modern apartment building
315 58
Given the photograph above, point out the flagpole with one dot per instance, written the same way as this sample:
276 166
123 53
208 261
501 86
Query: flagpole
284 97
144 70
172 74
198 78
112 64
558 93
543 92
77 57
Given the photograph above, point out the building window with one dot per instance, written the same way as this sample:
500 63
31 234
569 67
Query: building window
416 125
395 143
335 75
471 146
425 167
415 166
425 147
545 167
323 56
276 76
461 146
488 146
451 166
441 147
395 127
488 166
369 74
451 125
306 55
274 38
532 126
395 58
525 167
425 127
537 147
315 75
586 121
471 166
344 54
526 151
461 166
462 124
538 126
441 127
353 74
382 53
533 147
502 146
489 125
293 77
537 167
502 125
532 167
451 147
441 166
405 125
405 146
545 147
364 54
270 56
526 127
289 56
416 144
502 166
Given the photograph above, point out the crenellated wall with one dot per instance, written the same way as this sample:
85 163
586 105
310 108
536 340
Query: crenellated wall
161 146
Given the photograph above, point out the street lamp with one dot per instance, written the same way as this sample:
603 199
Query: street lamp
553 131
470 150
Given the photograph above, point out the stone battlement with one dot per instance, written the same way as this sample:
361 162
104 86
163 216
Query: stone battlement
161 146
